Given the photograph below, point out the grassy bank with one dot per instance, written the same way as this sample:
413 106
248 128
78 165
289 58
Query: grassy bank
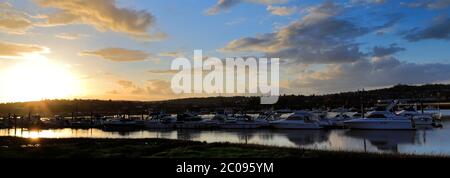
14 147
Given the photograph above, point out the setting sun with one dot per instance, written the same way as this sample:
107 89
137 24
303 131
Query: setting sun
37 78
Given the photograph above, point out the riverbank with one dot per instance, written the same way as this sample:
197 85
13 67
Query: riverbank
16 147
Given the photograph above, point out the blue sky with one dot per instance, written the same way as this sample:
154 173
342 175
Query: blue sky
415 36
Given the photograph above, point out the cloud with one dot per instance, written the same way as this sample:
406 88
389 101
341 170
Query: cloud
318 37
236 21
163 71
392 19
103 15
378 72
159 88
113 92
173 54
429 4
381 70
125 83
439 30
368 1
227 4
13 21
118 54
151 89
281 11
380 51
17 50
69 36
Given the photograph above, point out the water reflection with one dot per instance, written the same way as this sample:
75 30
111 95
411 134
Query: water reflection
384 139
434 141
306 137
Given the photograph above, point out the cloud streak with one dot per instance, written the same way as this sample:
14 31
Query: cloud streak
17 50
280 10
13 21
439 30
429 4
118 54
222 5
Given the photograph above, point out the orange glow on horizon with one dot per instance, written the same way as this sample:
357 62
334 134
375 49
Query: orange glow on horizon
37 78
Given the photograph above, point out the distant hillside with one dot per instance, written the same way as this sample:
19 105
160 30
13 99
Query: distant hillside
424 93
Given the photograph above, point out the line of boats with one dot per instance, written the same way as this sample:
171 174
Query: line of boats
407 119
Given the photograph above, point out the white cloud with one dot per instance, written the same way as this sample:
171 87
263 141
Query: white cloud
103 15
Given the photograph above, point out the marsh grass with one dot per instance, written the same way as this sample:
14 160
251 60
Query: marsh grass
15 147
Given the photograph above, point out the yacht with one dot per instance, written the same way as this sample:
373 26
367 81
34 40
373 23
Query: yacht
123 123
189 120
421 119
243 122
381 120
160 120
338 120
268 116
298 120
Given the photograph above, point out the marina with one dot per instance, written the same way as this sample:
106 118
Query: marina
423 141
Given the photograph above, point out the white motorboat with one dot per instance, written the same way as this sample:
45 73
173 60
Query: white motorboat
383 120
242 122
420 119
159 120
268 116
298 120
123 123
338 120
189 120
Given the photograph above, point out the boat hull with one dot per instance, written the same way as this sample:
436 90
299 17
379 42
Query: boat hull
293 125
380 124
241 125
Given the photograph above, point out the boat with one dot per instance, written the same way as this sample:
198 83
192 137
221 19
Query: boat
190 120
298 120
56 121
383 120
123 123
269 116
242 121
160 120
420 119
338 120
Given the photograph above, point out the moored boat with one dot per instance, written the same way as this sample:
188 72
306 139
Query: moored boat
298 120
382 120
243 122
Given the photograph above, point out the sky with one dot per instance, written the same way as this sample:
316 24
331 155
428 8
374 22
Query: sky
122 50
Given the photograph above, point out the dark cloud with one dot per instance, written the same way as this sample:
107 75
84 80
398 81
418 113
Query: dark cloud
368 1
319 37
392 19
439 30
429 4
380 51
377 72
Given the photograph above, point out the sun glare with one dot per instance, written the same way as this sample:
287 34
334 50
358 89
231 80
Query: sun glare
37 78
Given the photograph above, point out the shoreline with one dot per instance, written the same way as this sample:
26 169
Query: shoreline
17 147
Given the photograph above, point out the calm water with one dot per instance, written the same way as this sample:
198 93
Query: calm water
431 141
435 141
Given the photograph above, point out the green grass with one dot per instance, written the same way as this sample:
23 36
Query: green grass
15 147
